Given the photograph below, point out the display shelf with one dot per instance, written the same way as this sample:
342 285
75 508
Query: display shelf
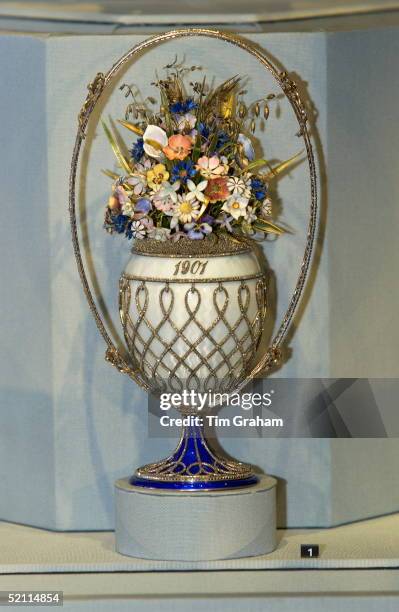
366 544
93 577
230 591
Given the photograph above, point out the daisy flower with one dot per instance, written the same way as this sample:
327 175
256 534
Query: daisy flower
136 230
185 211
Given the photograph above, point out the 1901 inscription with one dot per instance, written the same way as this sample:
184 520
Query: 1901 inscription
187 266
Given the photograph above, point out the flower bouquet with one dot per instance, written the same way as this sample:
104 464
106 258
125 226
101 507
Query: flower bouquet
192 171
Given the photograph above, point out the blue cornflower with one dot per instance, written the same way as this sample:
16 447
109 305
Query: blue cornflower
259 188
120 222
129 231
189 105
177 108
182 170
137 151
223 138
203 130
180 108
260 195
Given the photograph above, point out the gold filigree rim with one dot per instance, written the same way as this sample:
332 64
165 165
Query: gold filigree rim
211 246
193 281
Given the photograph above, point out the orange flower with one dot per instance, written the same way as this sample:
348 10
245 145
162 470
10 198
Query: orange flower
217 189
178 147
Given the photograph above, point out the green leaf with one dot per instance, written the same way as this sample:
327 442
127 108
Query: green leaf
118 153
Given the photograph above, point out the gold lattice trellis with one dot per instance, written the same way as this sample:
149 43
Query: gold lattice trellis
164 358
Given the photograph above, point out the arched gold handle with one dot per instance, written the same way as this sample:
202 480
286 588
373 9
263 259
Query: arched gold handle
289 88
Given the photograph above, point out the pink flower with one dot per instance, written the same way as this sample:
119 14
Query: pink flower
121 194
148 224
165 205
211 167
178 147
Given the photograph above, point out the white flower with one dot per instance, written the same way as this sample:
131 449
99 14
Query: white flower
159 233
236 206
138 230
240 185
250 216
184 211
195 192
247 146
169 191
266 208
128 208
225 221
155 139
186 122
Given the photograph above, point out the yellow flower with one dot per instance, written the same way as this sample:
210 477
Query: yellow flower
156 176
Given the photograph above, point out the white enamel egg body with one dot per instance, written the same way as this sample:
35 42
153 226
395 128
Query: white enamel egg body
193 322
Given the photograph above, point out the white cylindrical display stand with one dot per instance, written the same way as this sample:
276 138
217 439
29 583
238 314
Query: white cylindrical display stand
195 526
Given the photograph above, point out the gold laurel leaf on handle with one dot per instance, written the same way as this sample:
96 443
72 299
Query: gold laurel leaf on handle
130 126
114 145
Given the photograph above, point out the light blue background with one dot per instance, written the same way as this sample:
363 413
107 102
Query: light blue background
70 423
